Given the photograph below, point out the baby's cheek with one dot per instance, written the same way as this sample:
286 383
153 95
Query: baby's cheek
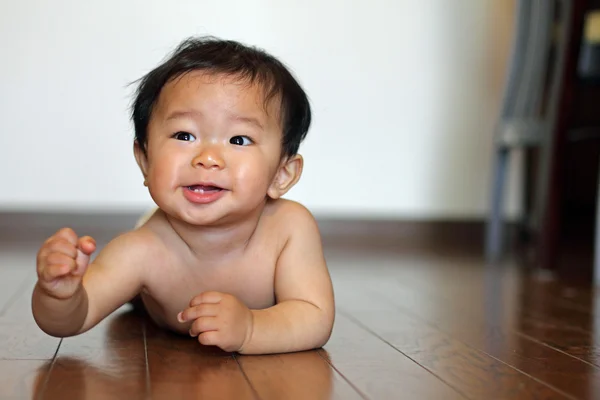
160 186
253 178
162 176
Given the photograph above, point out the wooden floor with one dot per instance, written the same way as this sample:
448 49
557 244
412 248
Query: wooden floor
419 323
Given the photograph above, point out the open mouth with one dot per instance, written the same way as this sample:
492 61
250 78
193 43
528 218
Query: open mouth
204 193
204 189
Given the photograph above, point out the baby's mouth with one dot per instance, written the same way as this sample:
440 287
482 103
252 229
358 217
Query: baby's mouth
204 188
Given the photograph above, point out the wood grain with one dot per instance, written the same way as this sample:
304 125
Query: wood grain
22 379
20 337
181 368
470 371
12 285
379 371
106 362
486 314
296 376
423 322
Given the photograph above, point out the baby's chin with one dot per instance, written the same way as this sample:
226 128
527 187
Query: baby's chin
217 216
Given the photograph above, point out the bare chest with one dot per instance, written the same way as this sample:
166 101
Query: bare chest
172 287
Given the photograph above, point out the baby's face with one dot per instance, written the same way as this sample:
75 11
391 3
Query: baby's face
213 150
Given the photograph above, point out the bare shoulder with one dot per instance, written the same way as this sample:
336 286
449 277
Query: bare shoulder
139 246
301 272
119 272
293 209
292 218
298 234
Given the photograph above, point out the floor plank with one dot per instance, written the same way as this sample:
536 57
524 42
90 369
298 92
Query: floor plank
584 346
20 303
379 371
486 318
538 311
106 362
23 340
20 337
181 368
22 379
296 376
12 285
419 324
470 371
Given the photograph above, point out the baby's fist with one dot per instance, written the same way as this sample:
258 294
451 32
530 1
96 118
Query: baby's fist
219 319
62 261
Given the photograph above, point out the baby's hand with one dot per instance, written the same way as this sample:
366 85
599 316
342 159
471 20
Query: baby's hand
220 319
62 261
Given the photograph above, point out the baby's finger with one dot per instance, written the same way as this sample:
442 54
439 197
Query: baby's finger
41 258
207 297
210 338
203 324
87 245
203 310
54 271
48 257
63 246
68 234
60 259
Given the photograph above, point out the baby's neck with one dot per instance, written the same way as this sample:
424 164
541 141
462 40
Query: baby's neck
219 241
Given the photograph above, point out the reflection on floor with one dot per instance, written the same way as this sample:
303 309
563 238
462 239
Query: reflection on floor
424 322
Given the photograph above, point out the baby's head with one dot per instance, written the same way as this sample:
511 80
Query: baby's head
218 124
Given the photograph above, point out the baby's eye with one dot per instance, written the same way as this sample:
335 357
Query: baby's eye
241 140
185 136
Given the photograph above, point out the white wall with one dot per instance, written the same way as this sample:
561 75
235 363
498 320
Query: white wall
405 94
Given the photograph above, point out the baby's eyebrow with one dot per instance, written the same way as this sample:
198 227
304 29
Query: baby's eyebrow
179 114
232 117
248 120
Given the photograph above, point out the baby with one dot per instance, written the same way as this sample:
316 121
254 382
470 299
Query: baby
223 257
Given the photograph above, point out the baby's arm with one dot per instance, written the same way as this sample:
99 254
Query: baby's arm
304 314
108 282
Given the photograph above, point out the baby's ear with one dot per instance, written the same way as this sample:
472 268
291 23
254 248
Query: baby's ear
287 176
142 160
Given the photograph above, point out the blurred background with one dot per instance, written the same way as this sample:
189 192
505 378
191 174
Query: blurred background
406 97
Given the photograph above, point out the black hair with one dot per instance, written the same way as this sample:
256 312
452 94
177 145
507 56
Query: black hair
232 58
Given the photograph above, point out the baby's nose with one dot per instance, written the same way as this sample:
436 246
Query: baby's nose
208 158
